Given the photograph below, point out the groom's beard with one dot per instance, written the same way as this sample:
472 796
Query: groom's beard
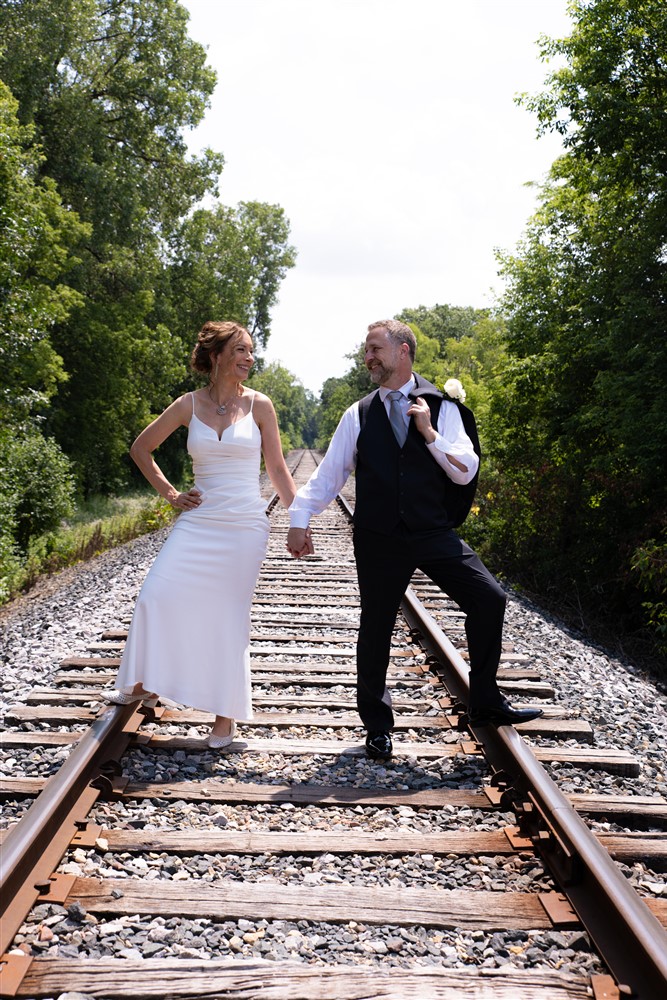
380 375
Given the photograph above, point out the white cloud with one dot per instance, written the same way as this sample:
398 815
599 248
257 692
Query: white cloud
387 130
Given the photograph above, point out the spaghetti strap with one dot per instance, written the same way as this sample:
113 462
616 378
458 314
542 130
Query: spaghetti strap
252 400
193 403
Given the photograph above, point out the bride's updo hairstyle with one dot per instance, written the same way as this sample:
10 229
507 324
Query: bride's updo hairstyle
210 341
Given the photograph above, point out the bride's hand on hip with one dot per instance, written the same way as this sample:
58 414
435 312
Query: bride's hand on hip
187 501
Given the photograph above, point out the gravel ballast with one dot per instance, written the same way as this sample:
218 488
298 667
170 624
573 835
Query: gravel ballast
64 614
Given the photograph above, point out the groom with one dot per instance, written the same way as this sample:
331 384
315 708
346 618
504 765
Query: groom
416 456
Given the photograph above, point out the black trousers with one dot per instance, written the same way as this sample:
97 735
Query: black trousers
385 564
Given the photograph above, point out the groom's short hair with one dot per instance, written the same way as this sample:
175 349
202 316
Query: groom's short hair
398 332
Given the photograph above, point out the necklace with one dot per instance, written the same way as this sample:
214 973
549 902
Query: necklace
222 408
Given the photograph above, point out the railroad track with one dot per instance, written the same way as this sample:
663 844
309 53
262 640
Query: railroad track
295 843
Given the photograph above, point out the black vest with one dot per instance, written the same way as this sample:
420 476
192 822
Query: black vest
406 484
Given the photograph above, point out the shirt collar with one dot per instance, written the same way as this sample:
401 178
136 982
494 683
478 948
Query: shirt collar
406 389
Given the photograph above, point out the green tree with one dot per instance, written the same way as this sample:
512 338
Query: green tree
337 394
227 262
471 353
292 402
443 322
340 392
427 358
108 88
476 360
36 234
110 85
581 414
36 237
39 479
460 342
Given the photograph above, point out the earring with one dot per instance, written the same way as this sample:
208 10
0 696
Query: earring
215 373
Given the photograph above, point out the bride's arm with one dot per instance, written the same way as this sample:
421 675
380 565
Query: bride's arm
279 474
151 437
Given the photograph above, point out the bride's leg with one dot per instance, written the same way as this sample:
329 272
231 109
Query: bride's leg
140 689
222 734
222 726
130 696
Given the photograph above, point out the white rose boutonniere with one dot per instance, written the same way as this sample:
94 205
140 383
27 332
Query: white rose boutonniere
454 390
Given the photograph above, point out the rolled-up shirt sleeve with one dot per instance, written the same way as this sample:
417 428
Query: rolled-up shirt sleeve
331 474
451 439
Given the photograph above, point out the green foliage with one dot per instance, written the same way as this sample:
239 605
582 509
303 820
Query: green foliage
38 479
102 96
81 537
339 393
10 557
110 86
127 374
36 234
228 262
649 565
443 322
427 355
579 417
293 404
608 100
107 90
36 492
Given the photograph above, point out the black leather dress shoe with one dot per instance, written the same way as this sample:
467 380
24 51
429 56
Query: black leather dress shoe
378 744
502 715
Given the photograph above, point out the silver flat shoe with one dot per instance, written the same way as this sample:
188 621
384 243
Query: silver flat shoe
218 742
117 697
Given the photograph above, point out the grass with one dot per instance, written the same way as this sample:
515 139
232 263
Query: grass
100 523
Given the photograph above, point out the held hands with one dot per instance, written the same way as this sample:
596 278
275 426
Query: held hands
300 542
187 501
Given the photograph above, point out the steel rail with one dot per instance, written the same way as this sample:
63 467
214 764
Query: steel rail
631 940
35 844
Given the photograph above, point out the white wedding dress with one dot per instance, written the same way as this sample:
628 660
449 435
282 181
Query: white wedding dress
190 633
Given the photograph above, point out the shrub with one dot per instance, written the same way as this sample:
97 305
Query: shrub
649 564
38 486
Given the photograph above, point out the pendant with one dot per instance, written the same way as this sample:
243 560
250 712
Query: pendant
222 409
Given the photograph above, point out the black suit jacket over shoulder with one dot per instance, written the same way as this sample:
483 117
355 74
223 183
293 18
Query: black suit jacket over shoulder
406 484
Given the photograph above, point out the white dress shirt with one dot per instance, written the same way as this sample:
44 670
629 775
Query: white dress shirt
341 457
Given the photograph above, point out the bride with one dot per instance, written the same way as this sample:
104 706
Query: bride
190 633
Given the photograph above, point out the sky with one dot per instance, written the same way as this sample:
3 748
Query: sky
389 133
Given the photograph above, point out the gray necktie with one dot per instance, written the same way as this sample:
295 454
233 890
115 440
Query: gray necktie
396 418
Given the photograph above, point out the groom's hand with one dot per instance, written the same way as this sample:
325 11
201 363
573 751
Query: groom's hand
300 542
421 415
